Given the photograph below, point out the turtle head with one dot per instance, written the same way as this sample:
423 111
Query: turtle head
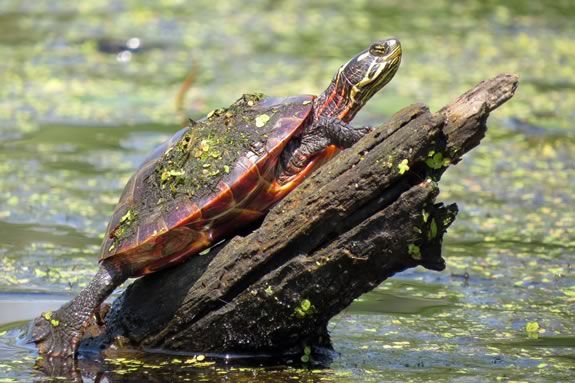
370 70
359 79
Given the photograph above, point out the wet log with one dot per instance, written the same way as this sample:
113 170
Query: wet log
369 213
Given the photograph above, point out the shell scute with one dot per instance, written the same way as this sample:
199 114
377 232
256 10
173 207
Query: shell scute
182 212
244 179
179 239
175 200
281 129
217 204
148 228
128 192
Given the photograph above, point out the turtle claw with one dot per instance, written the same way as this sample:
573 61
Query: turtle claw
52 337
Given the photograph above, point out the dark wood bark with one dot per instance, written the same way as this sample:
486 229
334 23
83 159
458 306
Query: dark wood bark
360 219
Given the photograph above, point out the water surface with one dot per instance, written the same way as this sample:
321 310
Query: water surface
87 90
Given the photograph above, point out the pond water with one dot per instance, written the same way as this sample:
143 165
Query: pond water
87 90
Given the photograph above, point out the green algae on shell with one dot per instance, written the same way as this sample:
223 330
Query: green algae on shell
124 228
209 148
200 163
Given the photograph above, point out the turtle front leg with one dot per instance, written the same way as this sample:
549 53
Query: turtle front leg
339 133
327 131
58 333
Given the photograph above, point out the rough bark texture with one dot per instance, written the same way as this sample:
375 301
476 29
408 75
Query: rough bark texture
360 219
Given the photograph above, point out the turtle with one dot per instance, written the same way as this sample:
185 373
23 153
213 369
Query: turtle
216 177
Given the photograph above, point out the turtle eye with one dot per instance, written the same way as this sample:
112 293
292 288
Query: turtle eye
378 49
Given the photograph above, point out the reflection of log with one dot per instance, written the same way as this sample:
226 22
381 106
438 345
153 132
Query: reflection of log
363 217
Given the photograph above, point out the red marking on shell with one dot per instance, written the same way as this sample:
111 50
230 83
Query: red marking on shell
220 202
190 226
272 143
201 241
162 226
183 211
178 240
276 191
240 168
237 218
148 229
244 181
267 170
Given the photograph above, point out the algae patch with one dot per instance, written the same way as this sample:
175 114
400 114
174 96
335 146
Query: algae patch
403 166
123 229
414 251
305 308
209 149
436 160
261 120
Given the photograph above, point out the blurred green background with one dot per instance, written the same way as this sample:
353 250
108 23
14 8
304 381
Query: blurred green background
87 90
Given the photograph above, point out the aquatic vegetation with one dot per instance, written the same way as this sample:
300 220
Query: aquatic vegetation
304 309
403 166
77 118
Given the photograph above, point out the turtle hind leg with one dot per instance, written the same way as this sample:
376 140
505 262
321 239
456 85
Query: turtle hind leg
58 333
54 336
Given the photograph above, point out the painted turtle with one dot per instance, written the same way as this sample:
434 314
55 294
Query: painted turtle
217 176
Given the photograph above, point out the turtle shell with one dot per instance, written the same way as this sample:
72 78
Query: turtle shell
205 183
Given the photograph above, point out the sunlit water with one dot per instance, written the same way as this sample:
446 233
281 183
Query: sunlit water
87 90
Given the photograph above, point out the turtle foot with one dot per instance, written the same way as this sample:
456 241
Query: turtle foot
53 336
